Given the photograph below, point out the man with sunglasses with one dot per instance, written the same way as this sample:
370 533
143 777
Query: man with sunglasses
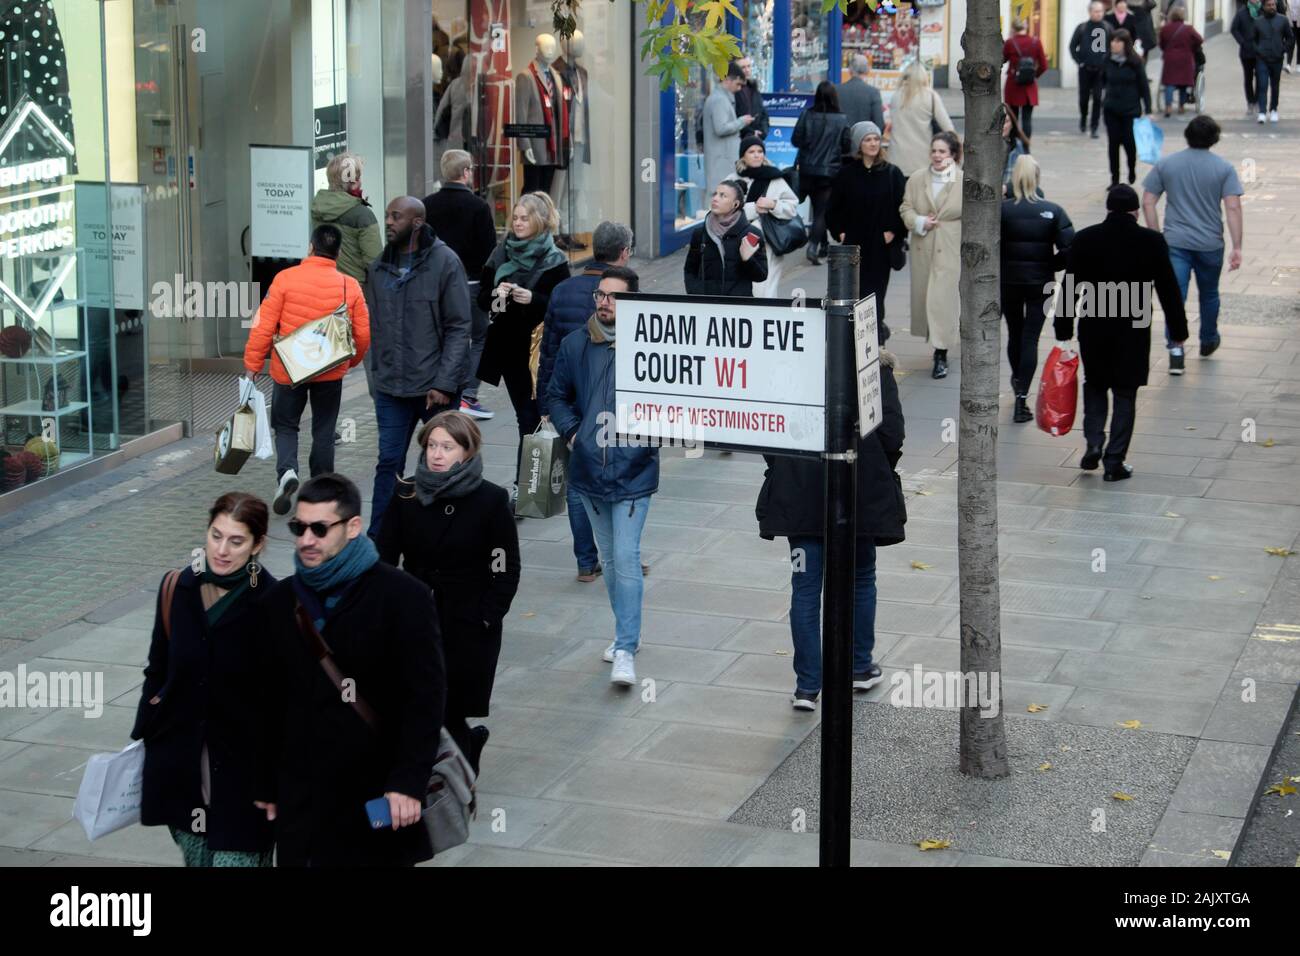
346 635
569 309
613 481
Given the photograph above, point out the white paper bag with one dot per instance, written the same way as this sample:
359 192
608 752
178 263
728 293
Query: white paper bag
109 796
250 396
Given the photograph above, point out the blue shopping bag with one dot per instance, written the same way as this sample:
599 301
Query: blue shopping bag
1150 139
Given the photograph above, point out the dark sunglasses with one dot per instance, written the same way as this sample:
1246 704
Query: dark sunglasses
318 528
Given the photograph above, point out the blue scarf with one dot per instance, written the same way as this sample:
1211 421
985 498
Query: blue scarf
323 588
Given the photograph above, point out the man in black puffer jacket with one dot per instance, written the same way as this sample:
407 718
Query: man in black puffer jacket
791 504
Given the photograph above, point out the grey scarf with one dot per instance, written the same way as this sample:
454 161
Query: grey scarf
456 482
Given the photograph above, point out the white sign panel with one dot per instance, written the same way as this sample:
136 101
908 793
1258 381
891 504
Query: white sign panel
748 373
866 342
282 192
127 244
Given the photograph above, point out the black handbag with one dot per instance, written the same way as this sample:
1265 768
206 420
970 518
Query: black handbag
784 235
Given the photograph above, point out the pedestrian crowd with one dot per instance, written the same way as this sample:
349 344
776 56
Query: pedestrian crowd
241 711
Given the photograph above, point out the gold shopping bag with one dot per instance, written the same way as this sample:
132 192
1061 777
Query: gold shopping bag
236 440
317 346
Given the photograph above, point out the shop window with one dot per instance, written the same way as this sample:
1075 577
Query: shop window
891 40
807 45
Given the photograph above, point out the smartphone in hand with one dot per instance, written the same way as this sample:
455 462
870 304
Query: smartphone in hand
379 814
751 238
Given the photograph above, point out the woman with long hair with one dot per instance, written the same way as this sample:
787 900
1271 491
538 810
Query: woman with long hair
727 254
197 714
865 197
1127 96
514 289
818 135
1036 235
913 110
1017 144
453 529
766 194
931 210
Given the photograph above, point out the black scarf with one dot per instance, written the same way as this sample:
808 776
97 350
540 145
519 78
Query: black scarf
758 178
456 482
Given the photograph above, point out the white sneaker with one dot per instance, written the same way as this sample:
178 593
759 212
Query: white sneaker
284 494
623 672
608 656
1261 118
1272 117
1287 67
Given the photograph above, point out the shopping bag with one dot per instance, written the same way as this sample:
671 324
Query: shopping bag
543 474
109 796
1058 392
237 438
1150 139
251 397
315 347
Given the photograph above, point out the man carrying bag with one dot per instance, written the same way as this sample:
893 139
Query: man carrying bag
310 291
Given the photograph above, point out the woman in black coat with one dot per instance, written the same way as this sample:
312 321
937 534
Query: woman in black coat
514 289
790 505
864 212
1114 307
1126 96
1035 236
727 252
456 532
200 733
818 135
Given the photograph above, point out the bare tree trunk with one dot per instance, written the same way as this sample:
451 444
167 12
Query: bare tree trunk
983 735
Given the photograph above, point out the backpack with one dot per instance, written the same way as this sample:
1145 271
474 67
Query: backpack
1026 69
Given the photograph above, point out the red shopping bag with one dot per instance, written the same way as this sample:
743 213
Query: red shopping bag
1058 392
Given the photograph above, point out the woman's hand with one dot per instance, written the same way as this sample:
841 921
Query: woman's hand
747 249
403 809
765 204
931 222
521 295
889 237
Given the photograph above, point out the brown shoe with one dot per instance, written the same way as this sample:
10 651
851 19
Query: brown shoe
587 575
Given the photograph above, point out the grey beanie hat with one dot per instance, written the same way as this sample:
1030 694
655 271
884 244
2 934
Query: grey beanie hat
859 132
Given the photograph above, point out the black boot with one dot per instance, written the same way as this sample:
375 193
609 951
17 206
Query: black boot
940 364
1022 412
1091 458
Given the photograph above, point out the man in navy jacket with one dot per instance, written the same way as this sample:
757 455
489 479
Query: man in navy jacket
613 480
570 306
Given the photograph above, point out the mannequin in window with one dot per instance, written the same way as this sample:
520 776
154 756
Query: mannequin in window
574 179
451 118
541 97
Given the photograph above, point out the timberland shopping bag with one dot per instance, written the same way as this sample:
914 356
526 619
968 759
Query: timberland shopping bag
543 474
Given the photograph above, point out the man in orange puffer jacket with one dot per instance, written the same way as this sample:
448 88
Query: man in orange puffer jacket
300 294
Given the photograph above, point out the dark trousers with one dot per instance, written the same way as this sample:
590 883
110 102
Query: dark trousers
1089 94
478 336
538 178
819 194
287 406
396 417
1095 407
1119 132
518 380
1025 117
1268 82
1248 76
1024 308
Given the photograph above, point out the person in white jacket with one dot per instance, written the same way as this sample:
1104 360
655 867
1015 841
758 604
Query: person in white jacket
766 192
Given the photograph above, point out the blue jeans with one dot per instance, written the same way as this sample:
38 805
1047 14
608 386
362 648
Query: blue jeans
1207 266
806 609
617 526
584 544
1268 83
1169 96
396 418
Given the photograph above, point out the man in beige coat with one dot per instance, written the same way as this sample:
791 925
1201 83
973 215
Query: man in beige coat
931 210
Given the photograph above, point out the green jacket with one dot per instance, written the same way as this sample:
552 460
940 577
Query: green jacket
362 239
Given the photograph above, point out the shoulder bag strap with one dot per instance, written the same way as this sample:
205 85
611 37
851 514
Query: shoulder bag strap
326 659
168 593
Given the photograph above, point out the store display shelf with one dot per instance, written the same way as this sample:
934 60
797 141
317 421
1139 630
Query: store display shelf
55 359
33 407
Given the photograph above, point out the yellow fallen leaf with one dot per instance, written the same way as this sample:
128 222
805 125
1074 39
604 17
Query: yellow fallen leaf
1189 428
1036 708
1215 577
1172 514
1221 854
1066 748
1279 552
1268 443
1293 779
923 493
1281 789
1129 724
782 653
1119 795
1045 766
529 614
920 566
934 844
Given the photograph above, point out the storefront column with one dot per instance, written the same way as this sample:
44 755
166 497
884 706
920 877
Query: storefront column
781 45
408 96
834 49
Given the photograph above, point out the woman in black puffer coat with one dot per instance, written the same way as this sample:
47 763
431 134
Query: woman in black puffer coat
1035 236
721 259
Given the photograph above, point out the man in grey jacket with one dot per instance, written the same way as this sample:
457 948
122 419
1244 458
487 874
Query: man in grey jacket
420 322
859 100
722 129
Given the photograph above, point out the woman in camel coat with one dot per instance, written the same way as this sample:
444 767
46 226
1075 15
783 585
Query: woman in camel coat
931 211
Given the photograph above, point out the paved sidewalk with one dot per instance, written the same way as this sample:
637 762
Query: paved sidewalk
1188 608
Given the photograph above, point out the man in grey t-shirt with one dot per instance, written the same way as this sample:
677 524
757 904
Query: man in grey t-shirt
1196 182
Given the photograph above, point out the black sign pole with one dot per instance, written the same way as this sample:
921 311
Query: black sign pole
838 558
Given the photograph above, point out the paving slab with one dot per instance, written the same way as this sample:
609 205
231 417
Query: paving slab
641 785
1220 779
647 839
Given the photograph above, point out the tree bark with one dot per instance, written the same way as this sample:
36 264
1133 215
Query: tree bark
983 736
